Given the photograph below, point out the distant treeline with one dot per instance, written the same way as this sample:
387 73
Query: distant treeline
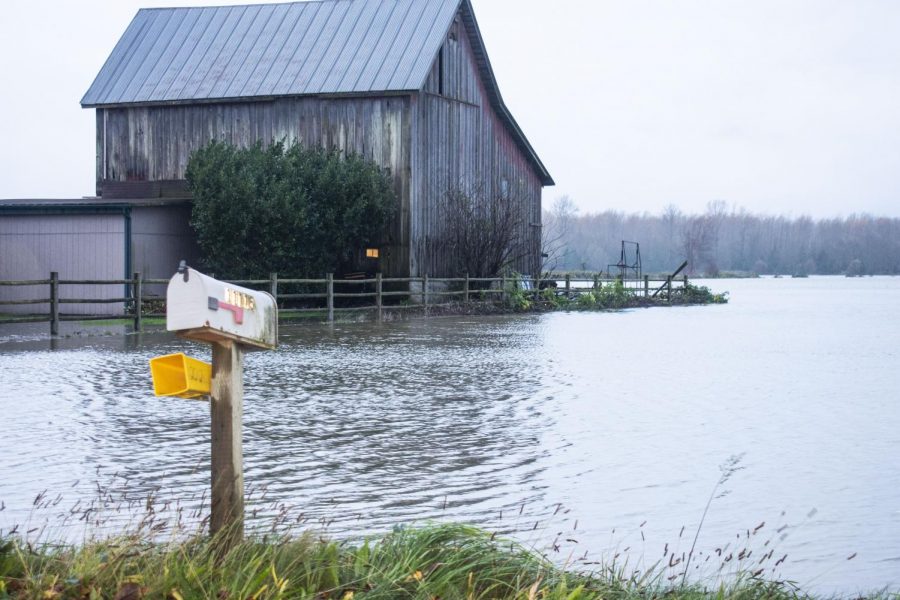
722 240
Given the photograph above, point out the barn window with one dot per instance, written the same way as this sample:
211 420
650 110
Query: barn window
504 188
371 252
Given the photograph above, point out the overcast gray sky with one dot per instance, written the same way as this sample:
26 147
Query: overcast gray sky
779 106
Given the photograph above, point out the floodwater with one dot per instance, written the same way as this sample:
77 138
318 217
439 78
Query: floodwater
603 432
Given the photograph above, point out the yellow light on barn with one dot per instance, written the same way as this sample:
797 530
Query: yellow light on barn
371 252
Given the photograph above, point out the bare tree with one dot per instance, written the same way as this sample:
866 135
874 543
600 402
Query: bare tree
716 212
556 233
483 234
671 218
722 237
700 238
698 242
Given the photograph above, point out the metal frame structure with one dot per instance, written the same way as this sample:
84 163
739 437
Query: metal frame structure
625 266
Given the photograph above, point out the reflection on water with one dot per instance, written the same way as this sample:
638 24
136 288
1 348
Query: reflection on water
621 418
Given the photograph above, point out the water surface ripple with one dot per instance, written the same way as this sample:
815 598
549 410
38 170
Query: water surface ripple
609 427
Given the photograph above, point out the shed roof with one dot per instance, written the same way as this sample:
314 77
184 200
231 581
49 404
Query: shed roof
12 204
208 54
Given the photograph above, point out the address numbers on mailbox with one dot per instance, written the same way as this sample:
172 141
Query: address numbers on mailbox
201 308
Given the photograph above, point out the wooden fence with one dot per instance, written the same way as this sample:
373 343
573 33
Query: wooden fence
417 292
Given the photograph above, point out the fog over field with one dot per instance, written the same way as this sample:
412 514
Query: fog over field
722 239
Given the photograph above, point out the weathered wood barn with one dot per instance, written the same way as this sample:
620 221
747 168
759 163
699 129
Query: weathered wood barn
406 83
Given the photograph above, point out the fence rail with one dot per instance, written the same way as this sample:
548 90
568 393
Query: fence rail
420 292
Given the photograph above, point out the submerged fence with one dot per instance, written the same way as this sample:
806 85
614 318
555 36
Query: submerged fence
319 295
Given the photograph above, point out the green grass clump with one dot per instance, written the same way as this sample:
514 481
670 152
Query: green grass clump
517 298
551 298
613 296
435 562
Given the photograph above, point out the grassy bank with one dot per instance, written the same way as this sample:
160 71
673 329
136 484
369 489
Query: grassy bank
435 562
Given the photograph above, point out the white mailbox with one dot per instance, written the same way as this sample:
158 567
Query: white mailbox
204 309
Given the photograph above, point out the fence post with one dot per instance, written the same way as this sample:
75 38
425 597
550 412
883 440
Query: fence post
537 286
378 300
596 281
646 286
466 289
329 292
568 285
669 288
685 282
425 292
136 295
503 289
273 286
54 303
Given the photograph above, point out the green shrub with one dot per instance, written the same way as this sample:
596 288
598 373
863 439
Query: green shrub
695 294
612 296
551 297
293 210
586 301
517 298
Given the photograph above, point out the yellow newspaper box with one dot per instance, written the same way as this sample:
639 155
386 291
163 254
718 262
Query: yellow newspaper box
204 309
180 375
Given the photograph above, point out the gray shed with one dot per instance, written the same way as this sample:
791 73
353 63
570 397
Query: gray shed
406 83
94 239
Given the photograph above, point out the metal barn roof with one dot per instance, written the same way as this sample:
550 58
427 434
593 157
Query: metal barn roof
233 52
206 54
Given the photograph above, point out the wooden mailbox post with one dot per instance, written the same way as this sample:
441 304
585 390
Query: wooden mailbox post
232 319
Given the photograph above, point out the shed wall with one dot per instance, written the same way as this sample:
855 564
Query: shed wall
154 143
161 236
76 246
460 143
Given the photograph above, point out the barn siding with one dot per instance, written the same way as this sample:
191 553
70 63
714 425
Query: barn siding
446 136
462 143
154 143
75 246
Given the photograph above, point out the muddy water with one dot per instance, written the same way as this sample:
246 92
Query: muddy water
608 428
